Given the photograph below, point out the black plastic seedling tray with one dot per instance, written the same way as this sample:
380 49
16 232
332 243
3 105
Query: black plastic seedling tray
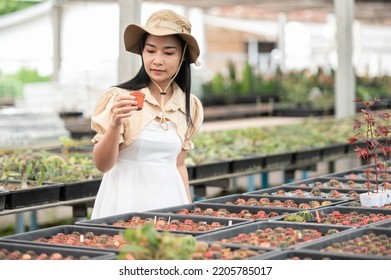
206 170
385 168
247 163
252 227
29 237
37 195
356 174
279 160
310 255
190 171
84 149
329 182
306 192
319 245
307 156
76 253
108 222
3 194
331 151
347 210
233 209
385 225
259 253
350 147
357 204
80 189
234 197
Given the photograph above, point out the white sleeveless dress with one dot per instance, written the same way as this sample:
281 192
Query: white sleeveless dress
145 176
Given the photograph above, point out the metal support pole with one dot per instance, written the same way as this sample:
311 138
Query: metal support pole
264 180
304 174
331 166
199 192
289 175
128 63
57 15
191 187
19 222
345 80
33 220
282 19
251 183
233 183
79 212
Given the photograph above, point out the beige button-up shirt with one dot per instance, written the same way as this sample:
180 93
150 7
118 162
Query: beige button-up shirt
132 126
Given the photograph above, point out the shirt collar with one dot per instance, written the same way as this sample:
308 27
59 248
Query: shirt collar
177 100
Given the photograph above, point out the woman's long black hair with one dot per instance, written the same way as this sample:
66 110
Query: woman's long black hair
183 78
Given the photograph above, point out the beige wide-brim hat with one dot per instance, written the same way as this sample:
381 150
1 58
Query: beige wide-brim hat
162 23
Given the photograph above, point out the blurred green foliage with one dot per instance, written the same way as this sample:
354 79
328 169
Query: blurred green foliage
72 162
10 88
295 88
212 146
11 85
10 6
27 75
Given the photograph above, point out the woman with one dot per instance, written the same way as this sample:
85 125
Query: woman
142 152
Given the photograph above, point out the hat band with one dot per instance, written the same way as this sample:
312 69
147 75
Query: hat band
171 25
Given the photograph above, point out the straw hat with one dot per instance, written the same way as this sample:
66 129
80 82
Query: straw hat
162 23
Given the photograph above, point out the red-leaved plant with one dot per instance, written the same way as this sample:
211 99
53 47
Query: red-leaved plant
371 128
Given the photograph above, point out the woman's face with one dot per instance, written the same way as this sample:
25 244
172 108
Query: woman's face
161 55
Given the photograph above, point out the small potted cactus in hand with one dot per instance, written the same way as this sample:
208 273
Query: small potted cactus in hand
371 128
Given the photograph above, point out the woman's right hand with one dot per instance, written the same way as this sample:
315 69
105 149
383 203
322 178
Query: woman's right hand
122 108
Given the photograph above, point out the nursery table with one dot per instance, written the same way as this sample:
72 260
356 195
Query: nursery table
229 179
199 186
79 211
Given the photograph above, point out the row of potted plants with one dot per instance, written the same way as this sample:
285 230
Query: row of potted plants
313 225
260 233
71 163
216 153
292 89
328 219
34 177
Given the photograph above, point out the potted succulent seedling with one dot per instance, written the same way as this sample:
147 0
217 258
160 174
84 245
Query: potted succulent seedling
146 243
370 129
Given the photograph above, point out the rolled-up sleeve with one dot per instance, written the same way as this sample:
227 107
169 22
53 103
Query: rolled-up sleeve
103 115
